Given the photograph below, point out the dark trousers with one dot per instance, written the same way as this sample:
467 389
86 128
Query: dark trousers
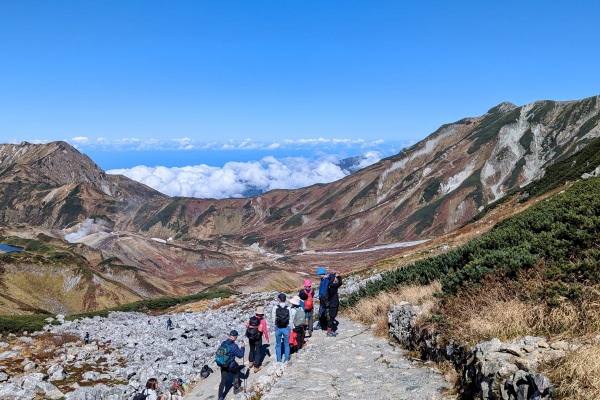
255 352
323 312
300 338
226 373
333 311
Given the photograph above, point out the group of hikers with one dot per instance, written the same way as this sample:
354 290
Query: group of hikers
293 323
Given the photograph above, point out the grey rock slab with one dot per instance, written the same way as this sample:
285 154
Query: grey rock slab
353 365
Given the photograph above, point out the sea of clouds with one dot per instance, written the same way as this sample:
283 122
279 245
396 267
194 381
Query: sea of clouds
243 179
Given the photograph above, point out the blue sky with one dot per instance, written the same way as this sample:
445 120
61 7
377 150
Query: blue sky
285 78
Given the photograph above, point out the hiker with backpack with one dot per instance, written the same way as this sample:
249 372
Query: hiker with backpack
332 299
256 327
297 313
323 300
169 324
282 323
225 359
308 295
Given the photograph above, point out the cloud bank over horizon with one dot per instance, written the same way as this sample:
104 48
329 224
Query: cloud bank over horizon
244 179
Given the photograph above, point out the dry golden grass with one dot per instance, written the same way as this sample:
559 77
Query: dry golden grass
374 310
197 306
496 310
222 303
577 374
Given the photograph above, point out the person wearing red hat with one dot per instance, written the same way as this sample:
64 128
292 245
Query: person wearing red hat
307 294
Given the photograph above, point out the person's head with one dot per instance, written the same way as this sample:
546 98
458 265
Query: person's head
152 383
321 272
260 311
281 297
295 301
307 284
233 335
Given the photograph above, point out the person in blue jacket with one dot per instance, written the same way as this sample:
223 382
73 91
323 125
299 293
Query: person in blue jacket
323 286
233 369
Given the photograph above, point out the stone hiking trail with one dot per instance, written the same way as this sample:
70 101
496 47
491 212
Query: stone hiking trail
353 365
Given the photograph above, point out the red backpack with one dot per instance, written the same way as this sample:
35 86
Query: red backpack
308 303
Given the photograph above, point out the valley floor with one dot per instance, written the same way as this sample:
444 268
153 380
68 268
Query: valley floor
353 365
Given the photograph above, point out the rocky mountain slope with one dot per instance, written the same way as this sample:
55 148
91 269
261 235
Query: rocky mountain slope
157 245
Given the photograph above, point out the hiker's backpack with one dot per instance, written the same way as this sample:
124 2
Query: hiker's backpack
141 395
252 332
206 371
299 317
223 356
308 303
282 317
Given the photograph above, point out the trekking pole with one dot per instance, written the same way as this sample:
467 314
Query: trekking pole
244 362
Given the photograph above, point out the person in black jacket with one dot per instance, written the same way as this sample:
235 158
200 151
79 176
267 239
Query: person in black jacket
333 300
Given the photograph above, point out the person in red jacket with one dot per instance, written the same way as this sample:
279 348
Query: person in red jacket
256 328
307 294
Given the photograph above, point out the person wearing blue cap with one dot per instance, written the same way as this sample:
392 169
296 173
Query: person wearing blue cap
323 285
282 322
225 358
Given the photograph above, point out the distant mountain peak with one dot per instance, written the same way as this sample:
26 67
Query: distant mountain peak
503 107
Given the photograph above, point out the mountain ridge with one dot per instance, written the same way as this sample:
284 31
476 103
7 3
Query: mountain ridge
181 245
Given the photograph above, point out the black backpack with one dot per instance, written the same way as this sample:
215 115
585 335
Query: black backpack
282 317
252 332
141 395
206 371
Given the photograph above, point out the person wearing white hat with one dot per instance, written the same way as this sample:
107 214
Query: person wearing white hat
256 328
297 316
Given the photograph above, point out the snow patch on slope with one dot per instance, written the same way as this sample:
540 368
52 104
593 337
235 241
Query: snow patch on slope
456 180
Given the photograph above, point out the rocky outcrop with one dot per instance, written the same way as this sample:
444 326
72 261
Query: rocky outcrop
489 370
126 349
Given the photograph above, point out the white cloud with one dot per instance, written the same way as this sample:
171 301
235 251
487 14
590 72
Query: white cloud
235 179
80 139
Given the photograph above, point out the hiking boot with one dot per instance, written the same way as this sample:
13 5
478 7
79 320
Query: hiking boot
250 364
256 369
236 390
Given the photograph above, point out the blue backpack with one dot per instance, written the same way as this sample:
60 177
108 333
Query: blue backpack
223 356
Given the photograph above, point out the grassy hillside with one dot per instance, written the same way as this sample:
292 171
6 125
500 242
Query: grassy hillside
562 233
537 273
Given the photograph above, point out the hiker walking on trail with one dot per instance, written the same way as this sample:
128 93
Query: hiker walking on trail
282 323
297 313
323 304
256 327
86 338
332 299
169 324
225 359
308 295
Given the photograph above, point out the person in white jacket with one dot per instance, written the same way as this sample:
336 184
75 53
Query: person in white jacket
282 321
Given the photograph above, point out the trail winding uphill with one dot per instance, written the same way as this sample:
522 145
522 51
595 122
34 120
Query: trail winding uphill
353 365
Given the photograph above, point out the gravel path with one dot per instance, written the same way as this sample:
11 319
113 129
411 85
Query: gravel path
355 364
